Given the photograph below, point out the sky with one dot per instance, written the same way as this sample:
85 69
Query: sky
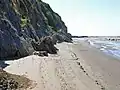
89 17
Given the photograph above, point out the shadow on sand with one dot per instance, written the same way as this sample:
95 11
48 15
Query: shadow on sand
2 60
3 64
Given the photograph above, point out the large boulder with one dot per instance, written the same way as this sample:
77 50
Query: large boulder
46 44
62 37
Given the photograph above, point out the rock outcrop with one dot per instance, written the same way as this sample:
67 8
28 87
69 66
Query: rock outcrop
46 44
40 53
24 21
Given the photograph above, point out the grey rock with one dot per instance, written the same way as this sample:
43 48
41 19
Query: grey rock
46 44
40 53
25 21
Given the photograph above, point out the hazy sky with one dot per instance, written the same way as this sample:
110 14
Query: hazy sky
89 17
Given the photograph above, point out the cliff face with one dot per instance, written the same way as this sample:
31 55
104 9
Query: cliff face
24 21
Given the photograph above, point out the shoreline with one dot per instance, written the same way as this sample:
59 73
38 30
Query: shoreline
104 67
105 53
102 48
77 66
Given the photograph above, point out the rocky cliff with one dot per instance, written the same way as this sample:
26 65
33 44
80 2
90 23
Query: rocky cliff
26 21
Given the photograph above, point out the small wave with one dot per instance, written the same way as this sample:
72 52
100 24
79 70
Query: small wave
108 47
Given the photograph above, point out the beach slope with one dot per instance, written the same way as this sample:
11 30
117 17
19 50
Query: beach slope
77 66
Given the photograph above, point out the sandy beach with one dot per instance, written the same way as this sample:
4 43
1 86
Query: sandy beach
77 66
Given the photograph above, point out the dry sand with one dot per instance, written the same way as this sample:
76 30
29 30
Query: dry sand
76 67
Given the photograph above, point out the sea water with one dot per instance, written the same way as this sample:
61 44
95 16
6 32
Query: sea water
107 46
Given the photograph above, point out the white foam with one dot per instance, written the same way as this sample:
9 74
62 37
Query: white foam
109 47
